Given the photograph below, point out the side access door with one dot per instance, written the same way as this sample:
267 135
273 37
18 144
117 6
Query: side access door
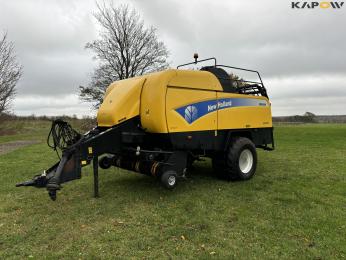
191 117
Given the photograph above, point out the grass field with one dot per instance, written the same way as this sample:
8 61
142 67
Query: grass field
294 208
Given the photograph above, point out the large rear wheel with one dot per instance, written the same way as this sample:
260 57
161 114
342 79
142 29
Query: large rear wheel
239 162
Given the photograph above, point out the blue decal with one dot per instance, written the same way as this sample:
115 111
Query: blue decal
192 112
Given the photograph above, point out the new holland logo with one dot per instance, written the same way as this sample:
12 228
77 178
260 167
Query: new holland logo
312 5
191 114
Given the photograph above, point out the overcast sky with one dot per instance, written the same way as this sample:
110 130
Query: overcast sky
301 54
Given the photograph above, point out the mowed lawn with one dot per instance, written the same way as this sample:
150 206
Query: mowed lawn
294 207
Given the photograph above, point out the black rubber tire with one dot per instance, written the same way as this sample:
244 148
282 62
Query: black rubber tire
105 162
189 162
166 179
219 165
226 166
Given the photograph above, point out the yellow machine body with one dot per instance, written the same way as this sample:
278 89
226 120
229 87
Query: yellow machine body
162 99
159 124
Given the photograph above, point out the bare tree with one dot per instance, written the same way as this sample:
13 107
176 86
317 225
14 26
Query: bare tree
125 48
10 73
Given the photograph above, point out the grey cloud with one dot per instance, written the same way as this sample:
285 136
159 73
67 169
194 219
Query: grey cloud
50 39
320 106
47 27
267 35
301 54
49 105
311 86
55 74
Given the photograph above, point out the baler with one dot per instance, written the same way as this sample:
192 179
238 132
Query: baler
160 123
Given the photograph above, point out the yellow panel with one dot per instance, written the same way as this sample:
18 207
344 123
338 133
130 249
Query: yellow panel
162 108
195 79
153 101
182 110
121 102
242 114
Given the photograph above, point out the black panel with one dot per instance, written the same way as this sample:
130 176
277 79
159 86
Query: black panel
223 77
129 135
197 140
206 140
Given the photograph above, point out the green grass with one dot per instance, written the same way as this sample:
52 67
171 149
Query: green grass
294 208
23 130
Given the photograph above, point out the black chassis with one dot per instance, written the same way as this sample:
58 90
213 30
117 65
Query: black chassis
134 149
122 141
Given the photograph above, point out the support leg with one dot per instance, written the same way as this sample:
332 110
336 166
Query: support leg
96 176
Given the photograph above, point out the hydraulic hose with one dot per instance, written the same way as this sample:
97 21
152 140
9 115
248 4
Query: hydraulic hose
61 136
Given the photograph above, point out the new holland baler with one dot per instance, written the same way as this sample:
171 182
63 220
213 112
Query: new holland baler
159 124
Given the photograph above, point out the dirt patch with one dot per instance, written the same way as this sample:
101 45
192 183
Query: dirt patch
7 132
10 146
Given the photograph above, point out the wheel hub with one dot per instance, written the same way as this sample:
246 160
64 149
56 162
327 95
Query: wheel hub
245 161
171 180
